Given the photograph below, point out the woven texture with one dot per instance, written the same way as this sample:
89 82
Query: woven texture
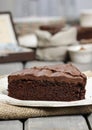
14 112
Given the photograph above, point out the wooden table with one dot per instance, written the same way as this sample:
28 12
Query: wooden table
72 122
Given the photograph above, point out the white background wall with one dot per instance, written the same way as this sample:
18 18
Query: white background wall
68 8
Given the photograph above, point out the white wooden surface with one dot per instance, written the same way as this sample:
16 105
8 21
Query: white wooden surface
56 123
72 122
40 63
11 125
7 68
67 8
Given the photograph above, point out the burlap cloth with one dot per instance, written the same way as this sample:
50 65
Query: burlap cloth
14 112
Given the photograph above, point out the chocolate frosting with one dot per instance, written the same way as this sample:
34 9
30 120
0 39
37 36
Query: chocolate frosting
52 71
62 82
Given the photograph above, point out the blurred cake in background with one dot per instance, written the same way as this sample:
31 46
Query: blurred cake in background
85 29
84 34
53 29
26 26
66 36
50 37
54 47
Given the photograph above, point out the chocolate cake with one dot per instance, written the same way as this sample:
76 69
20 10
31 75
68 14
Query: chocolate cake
53 29
84 33
63 82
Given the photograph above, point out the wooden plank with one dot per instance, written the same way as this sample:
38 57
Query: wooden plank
40 63
8 68
18 57
33 7
56 123
42 7
11 125
83 67
68 8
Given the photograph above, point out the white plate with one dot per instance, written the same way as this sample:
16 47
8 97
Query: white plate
6 99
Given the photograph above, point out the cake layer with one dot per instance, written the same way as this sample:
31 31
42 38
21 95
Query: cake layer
84 33
51 83
53 29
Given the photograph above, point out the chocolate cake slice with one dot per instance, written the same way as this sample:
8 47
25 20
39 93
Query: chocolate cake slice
53 29
84 33
63 82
